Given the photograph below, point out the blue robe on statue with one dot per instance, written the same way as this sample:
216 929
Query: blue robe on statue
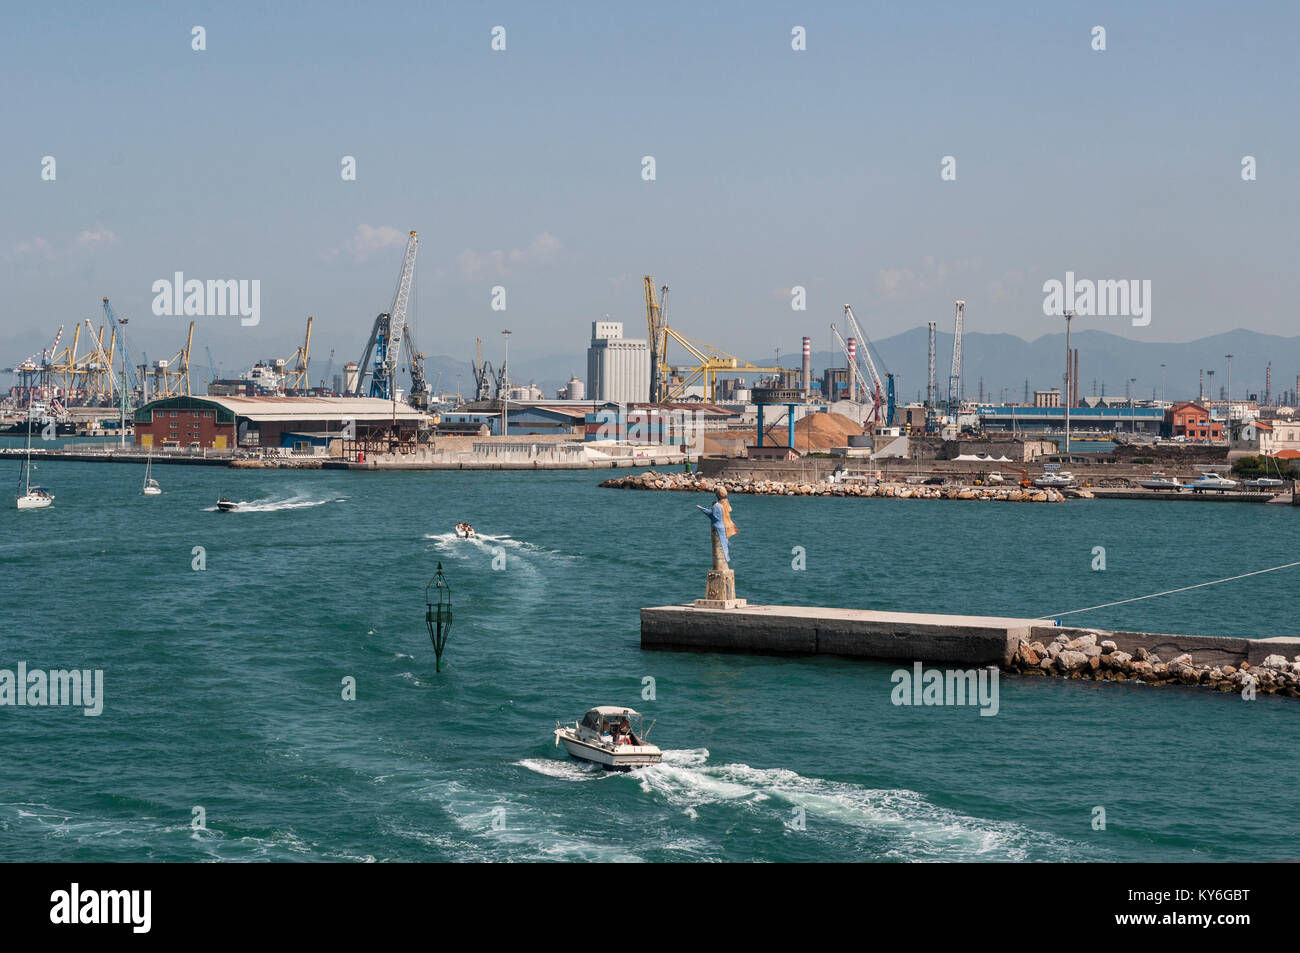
714 513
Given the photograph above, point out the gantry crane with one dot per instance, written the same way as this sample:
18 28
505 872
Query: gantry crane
668 382
171 378
379 361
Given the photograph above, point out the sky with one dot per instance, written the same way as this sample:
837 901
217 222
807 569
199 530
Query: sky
523 168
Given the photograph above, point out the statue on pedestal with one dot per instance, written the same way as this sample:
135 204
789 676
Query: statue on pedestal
720 590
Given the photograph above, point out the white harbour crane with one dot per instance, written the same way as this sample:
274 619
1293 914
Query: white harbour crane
380 360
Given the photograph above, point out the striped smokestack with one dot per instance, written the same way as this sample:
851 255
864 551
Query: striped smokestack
807 368
853 362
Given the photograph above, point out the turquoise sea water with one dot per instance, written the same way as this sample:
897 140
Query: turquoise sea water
223 686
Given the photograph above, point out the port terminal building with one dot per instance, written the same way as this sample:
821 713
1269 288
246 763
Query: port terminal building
1148 420
227 423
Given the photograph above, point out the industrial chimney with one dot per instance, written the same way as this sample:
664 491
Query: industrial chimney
853 363
807 368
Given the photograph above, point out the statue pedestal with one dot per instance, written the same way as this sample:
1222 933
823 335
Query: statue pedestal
720 591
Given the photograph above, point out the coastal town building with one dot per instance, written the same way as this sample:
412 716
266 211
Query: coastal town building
1191 421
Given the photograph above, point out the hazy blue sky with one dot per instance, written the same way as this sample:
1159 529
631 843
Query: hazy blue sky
523 168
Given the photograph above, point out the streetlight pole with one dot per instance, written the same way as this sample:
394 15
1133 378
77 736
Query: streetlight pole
1229 357
121 424
1162 383
1069 316
1132 406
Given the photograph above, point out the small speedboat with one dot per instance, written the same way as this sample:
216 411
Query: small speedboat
464 531
1158 481
610 737
226 506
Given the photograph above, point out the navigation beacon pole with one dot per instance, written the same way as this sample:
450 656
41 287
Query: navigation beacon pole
437 614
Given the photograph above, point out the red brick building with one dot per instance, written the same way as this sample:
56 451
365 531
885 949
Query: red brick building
1191 421
223 423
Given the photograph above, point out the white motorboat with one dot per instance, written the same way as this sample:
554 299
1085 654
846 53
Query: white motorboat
151 487
1212 481
1055 478
1158 481
226 506
31 497
609 736
464 531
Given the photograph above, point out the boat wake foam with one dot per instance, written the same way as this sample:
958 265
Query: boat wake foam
449 542
568 770
269 505
894 824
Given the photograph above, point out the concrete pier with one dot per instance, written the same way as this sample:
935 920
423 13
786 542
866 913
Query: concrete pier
857 633
909 636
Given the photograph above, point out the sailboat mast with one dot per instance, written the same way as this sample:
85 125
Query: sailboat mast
27 470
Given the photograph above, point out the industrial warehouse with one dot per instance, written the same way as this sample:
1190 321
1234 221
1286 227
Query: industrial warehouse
351 424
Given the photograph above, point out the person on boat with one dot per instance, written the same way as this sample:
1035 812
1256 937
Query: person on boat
460 529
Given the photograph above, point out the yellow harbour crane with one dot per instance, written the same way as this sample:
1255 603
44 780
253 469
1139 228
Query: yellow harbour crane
670 382
296 378
171 378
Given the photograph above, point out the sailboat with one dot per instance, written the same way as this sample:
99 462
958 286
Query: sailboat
31 497
151 487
